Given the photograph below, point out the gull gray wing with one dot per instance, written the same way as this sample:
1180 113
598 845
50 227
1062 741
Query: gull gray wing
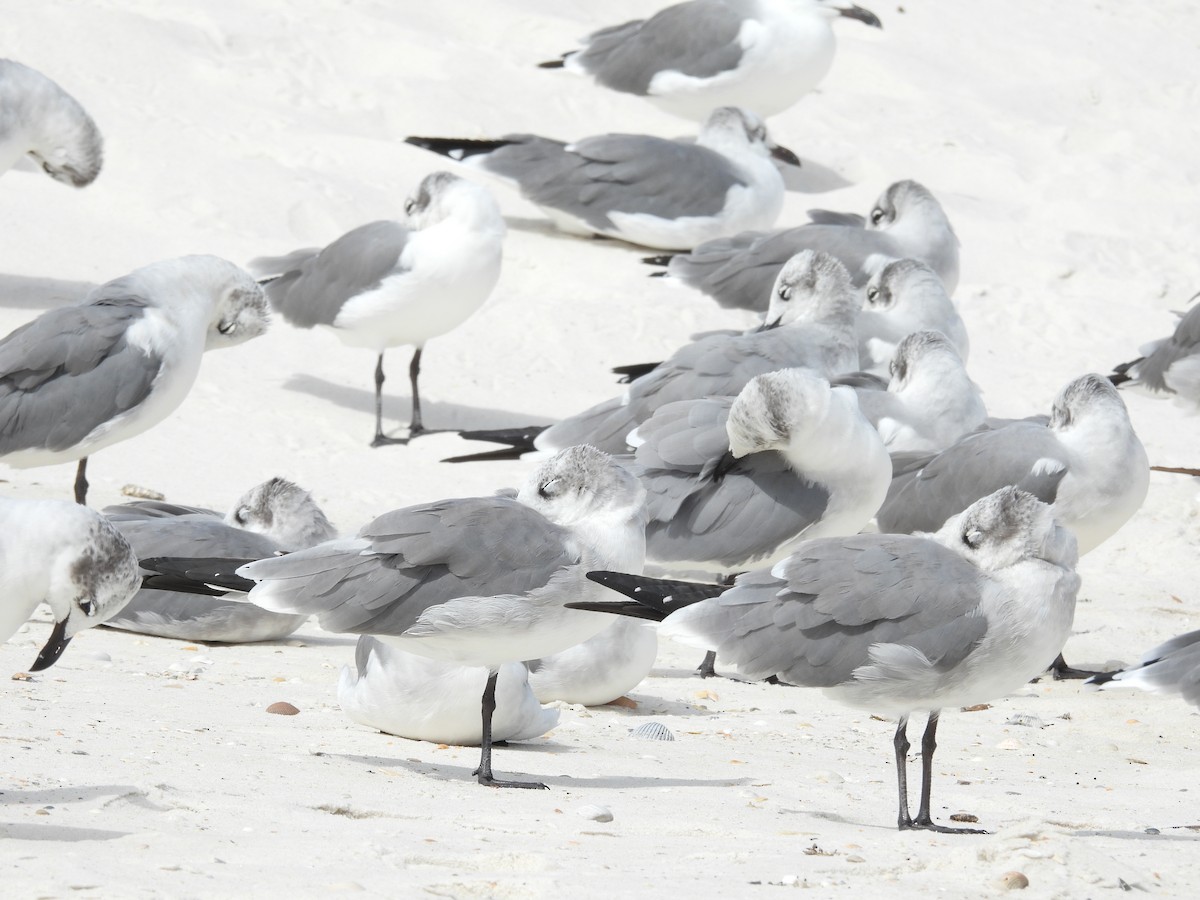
1023 453
686 437
409 560
192 535
153 509
816 619
1162 354
72 369
698 39
627 173
314 285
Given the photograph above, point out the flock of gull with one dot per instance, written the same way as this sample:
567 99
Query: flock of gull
830 484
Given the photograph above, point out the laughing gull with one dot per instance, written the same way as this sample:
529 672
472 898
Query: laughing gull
690 58
810 324
79 378
274 517
1170 366
1169 668
39 118
645 190
425 699
930 401
68 557
890 623
390 283
902 297
907 221
1086 461
479 581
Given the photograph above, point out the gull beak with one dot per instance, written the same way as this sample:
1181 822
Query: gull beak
863 15
783 154
54 647
768 326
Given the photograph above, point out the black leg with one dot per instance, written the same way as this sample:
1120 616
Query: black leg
1060 671
924 821
484 772
708 668
904 820
414 370
81 482
381 440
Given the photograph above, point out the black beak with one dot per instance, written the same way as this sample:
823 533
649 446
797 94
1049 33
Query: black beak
863 15
768 326
54 647
724 465
783 154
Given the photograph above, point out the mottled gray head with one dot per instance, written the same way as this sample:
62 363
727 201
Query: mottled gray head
241 312
812 286
62 137
917 350
730 127
1087 395
900 281
284 512
774 407
1006 527
443 195
899 199
580 482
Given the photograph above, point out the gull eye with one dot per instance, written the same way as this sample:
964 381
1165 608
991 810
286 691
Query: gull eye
241 516
973 538
549 489
88 607
227 327
877 215
785 292
410 206
872 294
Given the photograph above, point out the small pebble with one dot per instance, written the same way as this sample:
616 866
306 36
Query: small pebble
22 676
1027 720
596 813
964 817
142 493
283 708
1014 881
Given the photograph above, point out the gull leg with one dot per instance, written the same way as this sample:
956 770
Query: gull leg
81 482
923 820
381 439
414 370
484 772
900 742
708 666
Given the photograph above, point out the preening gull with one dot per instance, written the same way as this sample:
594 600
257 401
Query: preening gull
692 57
39 118
1170 668
68 557
810 324
274 517
645 190
902 297
1170 366
479 581
390 283
906 221
890 623
79 378
930 401
427 699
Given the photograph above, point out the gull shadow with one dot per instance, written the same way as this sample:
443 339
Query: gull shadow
330 640
1136 835
438 416
10 831
443 772
65 795
25 292
811 178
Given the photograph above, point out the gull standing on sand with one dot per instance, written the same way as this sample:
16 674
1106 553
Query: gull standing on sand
271 518
1086 461
480 581
38 118
906 221
1170 668
930 401
692 57
1169 366
645 190
68 557
79 378
890 623
902 297
809 324
390 283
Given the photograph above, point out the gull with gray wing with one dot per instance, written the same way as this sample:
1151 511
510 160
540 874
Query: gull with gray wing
1172 667
1170 366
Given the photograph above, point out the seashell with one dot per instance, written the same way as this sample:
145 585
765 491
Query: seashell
595 813
651 731
1024 719
1014 881
282 708
142 493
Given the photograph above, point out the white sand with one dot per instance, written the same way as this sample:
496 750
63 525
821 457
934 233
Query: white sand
1061 138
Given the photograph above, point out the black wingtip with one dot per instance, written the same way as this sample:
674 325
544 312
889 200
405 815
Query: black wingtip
457 149
553 63
487 456
1120 374
1103 678
662 259
620 608
634 371
861 15
202 571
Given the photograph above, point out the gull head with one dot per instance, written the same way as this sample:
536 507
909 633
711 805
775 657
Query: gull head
904 284
812 286
284 512
1007 527
905 200
240 312
582 482
919 352
774 408
1088 396
443 195
736 129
